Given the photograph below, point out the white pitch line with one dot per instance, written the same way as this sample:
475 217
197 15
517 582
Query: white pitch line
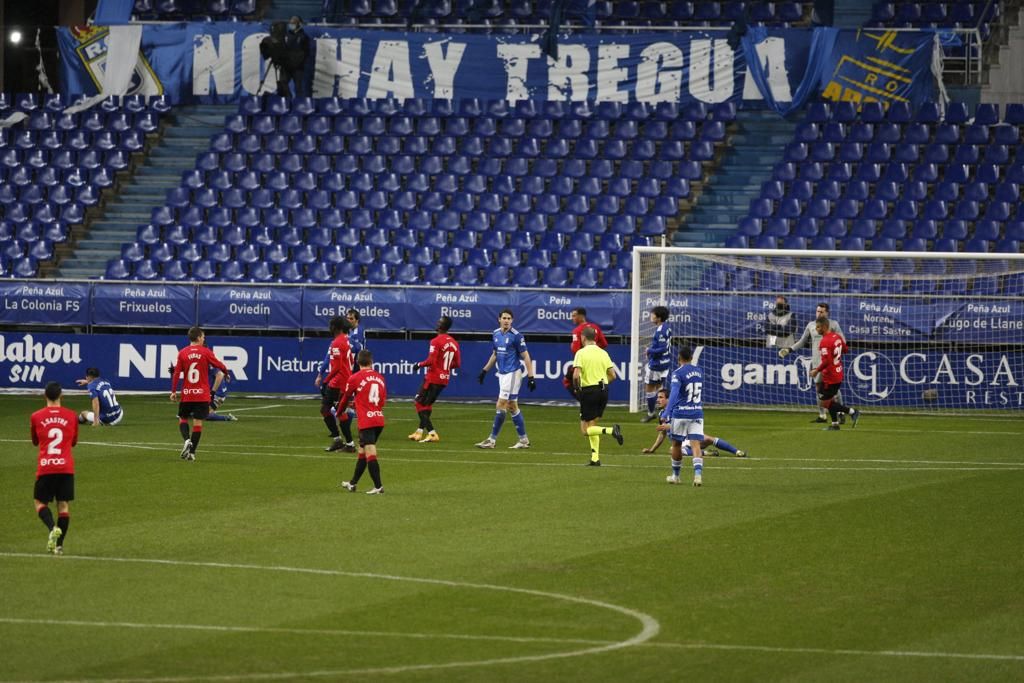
238 410
650 626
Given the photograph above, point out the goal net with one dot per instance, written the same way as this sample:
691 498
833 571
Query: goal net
926 331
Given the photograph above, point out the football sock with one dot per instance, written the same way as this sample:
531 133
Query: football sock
197 433
520 422
595 447
821 413
425 423
46 516
677 465
360 468
724 445
594 429
183 428
332 424
499 419
63 520
374 467
698 466
651 400
346 430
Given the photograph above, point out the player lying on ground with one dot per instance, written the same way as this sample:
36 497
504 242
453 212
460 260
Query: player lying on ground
709 446
105 408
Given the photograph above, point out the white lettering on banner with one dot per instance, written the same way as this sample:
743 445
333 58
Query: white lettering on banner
136 307
453 298
400 367
25 373
559 301
994 398
297 365
251 294
651 301
254 68
30 290
337 295
610 74
874 371
154 362
209 62
391 73
28 350
659 76
517 61
337 61
772 52
545 314
706 84
144 293
69 305
736 375
444 66
456 312
567 75
235 357
945 373
248 309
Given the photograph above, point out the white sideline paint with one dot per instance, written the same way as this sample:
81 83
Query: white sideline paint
650 625
238 410
510 639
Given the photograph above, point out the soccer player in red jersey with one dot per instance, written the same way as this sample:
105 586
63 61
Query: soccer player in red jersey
55 431
193 367
367 388
832 348
338 372
579 318
442 359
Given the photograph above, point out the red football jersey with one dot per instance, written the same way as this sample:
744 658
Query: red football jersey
341 363
832 348
368 390
443 357
193 367
577 337
55 431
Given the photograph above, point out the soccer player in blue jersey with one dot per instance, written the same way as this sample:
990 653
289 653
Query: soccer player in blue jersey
686 413
356 336
510 356
710 445
659 360
105 408
219 395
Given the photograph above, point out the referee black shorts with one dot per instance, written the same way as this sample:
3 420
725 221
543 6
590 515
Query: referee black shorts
593 401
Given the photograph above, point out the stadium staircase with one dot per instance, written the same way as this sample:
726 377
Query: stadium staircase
747 162
185 134
851 13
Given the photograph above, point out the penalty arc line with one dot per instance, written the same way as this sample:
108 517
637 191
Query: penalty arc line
650 626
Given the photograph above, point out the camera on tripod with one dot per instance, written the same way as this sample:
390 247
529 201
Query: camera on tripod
272 48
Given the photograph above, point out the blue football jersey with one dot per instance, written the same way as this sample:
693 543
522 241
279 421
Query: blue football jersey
100 389
356 342
508 347
659 353
684 400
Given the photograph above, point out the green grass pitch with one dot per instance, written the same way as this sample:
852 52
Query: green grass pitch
890 552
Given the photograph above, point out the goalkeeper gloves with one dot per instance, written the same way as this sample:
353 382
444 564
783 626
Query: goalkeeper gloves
532 383
784 351
481 376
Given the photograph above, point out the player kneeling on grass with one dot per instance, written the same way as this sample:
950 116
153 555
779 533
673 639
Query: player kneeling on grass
105 408
709 445
686 414
55 431
832 347
592 372
366 388
219 395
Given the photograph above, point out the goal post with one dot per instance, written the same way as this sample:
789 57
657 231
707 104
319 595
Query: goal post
934 331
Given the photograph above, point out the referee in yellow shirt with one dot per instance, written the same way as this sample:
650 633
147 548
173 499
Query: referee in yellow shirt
592 372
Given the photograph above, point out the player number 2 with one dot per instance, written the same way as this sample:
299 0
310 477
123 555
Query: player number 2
837 353
193 373
56 439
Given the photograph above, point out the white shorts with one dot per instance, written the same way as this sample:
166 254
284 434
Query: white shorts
508 385
687 430
654 376
113 422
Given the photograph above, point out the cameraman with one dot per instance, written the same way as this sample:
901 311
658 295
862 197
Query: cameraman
780 327
296 52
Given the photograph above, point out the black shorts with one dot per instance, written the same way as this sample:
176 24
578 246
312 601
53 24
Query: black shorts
197 410
428 393
329 399
59 486
593 401
828 391
369 436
